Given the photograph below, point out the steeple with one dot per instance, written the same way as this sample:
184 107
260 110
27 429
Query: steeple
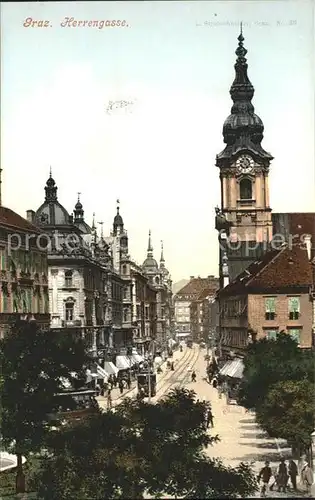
50 189
243 129
162 260
118 221
78 211
150 247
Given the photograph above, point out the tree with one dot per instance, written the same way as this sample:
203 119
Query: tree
33 364
157 449
278 384
270 361
288 412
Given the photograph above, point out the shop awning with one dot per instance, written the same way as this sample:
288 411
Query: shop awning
137 358
233 369
101 373
122 363
110 368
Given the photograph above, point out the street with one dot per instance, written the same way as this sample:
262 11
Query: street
241 439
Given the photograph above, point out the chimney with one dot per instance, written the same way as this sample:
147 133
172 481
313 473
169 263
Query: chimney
308 244
192 277
30 215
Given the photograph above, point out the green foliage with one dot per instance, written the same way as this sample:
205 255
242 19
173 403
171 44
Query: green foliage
270 361
289 411
33 364
157 449
279 385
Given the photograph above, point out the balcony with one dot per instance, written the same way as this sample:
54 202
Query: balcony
71 324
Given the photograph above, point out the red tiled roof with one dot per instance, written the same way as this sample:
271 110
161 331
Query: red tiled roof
287 267
209 291
12 220
195 286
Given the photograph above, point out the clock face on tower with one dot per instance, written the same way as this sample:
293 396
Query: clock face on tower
245 164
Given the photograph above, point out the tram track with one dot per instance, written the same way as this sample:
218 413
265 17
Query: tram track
181 368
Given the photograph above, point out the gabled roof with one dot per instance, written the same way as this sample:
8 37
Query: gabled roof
208 291
12 220
283 268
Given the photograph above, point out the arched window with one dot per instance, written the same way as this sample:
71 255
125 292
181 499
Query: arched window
124 269
68 279
246 189
125 314
69 310
157 280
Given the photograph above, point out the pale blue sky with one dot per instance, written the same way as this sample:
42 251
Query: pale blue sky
158 158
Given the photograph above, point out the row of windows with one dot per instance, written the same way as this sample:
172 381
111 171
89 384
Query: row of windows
25 261
295 334
25 302
293 308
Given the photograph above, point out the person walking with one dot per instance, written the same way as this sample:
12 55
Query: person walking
121 386
282 476
265 474
129 382
109 399
209 418
193 376
306 477
293 472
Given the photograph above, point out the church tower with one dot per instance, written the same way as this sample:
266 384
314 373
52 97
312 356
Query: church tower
244 220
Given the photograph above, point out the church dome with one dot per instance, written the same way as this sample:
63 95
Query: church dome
118 220
51 212
150 264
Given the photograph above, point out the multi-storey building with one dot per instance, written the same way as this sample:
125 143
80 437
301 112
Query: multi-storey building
23 271
183 300
85 293
159 278
271 295
200 313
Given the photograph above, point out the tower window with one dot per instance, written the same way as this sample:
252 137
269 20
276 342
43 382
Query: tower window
246 189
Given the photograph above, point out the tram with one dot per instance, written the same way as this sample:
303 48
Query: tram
189 342
75 404
144 383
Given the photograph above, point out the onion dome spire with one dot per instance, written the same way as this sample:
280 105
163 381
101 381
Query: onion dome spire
118 220
78 210
150 247
162 260
243 129
50 189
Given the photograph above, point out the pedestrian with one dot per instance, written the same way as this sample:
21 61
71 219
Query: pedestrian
115 380
172 366
282 476
121 386
265 474
215 383
129 382
306 477
209 417
109 399
193 376
293 472
275 476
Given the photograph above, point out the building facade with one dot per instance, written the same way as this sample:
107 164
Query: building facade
271 295
183 300
200 314
23 272
83 288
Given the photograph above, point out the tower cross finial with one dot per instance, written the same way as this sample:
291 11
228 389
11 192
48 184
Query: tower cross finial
241 27
79 195
50 172
118 203
162 252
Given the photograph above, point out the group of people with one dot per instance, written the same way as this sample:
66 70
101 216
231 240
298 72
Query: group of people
282 475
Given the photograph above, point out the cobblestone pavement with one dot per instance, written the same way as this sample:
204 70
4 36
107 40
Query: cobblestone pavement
241 439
